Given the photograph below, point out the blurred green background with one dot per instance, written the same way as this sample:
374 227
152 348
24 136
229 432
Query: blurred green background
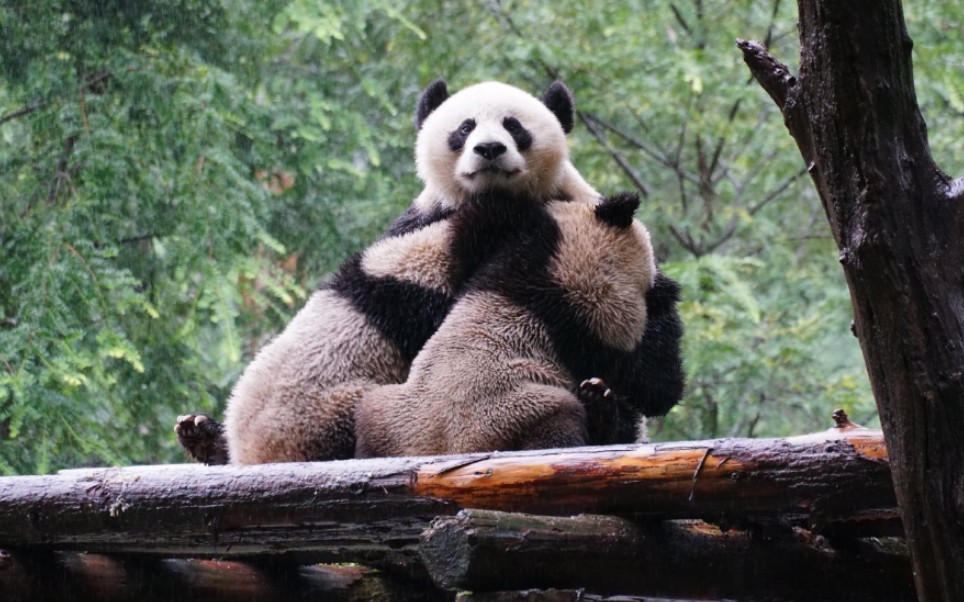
176 176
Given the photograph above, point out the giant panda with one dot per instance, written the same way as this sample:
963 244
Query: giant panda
553 316
295 400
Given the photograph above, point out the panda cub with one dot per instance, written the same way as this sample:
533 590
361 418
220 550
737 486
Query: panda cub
564 302
295 401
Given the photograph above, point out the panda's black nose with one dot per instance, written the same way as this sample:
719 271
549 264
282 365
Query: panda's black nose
489 150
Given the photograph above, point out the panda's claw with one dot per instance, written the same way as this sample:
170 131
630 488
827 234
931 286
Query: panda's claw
602 411
594 390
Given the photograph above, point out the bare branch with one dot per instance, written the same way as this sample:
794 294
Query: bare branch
758 166
768 41
660 152
715 161
63 174
776 192
20 112
686 240
724 237
636 142
679 19
681 139
773 75
684 198
616 155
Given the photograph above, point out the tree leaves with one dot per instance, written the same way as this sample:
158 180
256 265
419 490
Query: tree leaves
176 175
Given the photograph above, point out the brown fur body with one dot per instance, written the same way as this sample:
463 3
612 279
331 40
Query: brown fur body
561 302
296 399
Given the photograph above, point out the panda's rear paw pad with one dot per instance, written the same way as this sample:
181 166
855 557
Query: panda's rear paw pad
202 438
594 391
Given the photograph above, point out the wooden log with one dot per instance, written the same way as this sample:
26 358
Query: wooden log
82 577
558 595
481 550
372 511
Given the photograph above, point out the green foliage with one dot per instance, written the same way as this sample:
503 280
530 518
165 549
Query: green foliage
176 175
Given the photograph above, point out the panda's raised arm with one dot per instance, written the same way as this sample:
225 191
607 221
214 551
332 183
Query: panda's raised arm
559 100
431 97
618 210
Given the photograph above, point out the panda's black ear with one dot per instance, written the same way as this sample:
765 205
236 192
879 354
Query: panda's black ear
431 97
560 101
618 210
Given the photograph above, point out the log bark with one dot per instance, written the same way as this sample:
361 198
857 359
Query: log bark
897 220
558 595
81 577
485 550
372 511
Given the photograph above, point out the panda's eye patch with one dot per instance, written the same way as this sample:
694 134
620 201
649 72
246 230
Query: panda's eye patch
522 137
512 125
457 137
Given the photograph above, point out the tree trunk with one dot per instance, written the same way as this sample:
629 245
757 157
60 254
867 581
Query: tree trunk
481 550
372 511
897 220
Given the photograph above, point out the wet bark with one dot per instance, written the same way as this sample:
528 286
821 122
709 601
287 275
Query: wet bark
81 577
897 220
372 511
144 529
556 595
481 551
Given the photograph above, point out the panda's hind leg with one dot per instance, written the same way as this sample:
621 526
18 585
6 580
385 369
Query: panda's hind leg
310 426
560 425
532 416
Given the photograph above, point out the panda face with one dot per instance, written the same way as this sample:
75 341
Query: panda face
491 136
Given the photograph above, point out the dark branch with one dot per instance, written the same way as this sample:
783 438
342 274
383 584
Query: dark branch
768 41
63 174
93 82
776 192
620 160
20 112
715 162
773 75
679 19
660 157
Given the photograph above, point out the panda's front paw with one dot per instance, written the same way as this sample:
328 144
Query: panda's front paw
602 411
202 438
595 392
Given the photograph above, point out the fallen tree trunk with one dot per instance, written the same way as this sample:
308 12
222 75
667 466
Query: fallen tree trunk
485 550
372 511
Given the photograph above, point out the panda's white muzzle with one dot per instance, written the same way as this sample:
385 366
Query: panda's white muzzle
489 158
